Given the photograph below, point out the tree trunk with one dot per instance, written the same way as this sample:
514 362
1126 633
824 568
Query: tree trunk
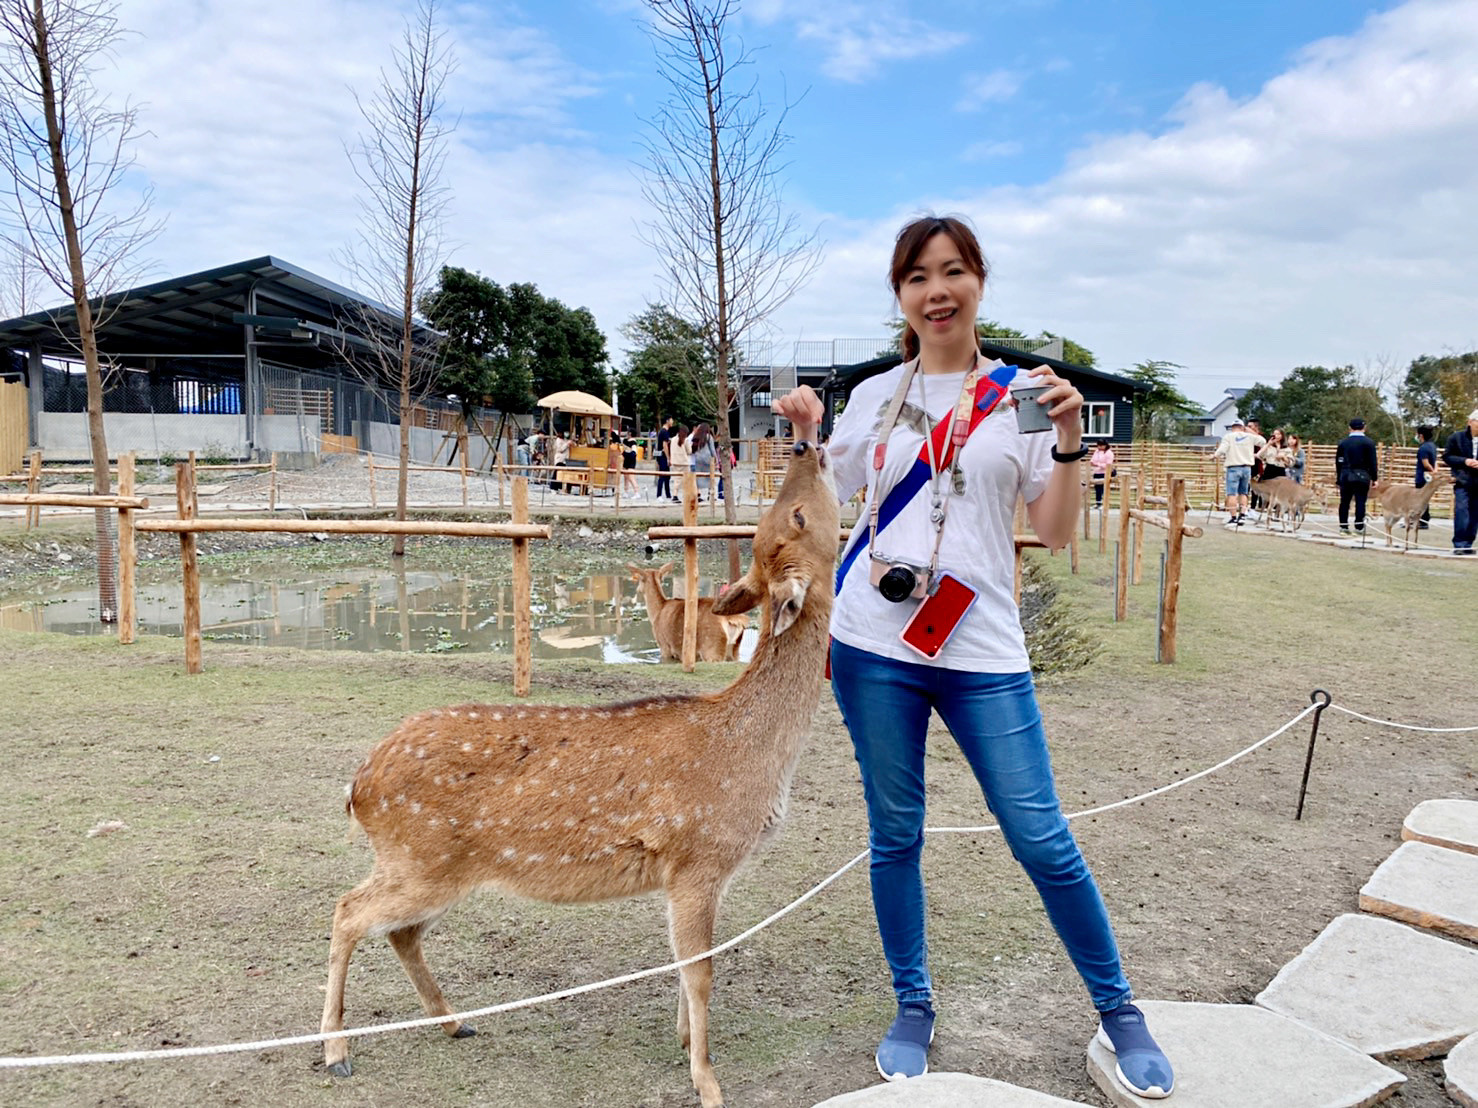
101 483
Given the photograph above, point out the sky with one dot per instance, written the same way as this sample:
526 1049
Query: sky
1239 187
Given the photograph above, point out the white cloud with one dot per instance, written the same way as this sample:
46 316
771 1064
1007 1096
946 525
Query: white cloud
858 37
989 151
988 88
1329 218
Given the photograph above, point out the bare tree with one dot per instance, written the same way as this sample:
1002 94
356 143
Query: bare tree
399 159
20 281
731 253
65 151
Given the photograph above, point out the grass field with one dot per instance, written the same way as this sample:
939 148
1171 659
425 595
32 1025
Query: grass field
206 919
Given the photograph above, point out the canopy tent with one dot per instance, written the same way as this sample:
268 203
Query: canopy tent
577 403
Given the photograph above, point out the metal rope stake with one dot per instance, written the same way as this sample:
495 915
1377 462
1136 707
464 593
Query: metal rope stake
1319 707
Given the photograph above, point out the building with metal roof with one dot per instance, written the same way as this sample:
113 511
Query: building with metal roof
244 359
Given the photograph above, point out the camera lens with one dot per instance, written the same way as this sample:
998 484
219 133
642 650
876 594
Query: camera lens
897 584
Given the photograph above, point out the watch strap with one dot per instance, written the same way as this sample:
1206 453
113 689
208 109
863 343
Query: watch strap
1071 455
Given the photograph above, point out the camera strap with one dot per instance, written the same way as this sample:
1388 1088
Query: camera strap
989 389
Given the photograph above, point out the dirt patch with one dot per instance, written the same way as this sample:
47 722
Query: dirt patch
206 918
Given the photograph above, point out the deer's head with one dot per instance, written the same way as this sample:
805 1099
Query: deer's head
795 546
640 574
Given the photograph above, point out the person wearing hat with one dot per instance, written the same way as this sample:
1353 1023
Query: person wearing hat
1355 469
1461 457
1239 447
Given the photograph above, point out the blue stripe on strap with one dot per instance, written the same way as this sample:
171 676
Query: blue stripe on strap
899 495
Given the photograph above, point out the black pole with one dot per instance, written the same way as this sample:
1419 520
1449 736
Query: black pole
1303 787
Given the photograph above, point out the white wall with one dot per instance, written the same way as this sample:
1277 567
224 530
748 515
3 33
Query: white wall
63 435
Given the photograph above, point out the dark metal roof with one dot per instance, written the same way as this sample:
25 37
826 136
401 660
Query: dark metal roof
847 377
194 314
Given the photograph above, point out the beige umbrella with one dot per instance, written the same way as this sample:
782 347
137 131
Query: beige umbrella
577 403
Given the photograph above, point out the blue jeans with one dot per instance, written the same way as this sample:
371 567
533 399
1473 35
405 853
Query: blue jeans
994 719
1464 515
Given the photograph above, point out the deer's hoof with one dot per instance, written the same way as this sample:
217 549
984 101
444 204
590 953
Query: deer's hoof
341 1069
466 1031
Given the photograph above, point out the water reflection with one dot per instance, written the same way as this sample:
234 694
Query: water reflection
599 616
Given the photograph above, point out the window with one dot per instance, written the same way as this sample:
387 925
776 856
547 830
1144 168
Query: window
760 398
1098 419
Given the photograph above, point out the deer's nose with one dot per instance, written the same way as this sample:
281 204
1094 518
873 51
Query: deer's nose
801 446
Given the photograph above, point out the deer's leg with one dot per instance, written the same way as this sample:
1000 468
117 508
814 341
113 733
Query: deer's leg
407 945
691 914
376 903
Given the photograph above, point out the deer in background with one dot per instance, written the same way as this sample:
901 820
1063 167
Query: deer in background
597 802
1406 503
718 636
1286 497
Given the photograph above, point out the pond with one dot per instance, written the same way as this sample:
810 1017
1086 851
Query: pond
575 613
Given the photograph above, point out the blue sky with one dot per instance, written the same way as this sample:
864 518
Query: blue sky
1240 187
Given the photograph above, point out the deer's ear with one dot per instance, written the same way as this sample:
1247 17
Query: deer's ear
635 571
739 597
664 569
787 598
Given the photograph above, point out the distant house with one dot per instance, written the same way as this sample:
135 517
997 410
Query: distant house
1207 428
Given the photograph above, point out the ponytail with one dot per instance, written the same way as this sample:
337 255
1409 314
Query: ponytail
909 342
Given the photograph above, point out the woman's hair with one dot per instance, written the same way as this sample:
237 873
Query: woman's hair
700 437
910 244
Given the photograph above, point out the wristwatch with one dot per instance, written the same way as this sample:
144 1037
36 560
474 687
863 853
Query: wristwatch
1071 455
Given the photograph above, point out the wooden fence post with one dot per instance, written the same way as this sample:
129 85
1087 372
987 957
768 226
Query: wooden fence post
1084 481
1121 561
1139 479
186 508
127 555
462 453
33 486
523 593
1172 570
272 488
374 499
690 573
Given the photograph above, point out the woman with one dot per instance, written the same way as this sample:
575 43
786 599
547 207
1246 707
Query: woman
560 458
1103 465
955 509
1297 459
700 457
1275 456
628 466
677 452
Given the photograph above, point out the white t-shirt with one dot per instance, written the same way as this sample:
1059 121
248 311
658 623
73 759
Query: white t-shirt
997 464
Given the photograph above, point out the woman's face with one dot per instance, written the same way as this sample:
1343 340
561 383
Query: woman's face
939 296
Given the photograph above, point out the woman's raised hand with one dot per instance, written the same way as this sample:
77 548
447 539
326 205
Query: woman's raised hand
1064 405
803 408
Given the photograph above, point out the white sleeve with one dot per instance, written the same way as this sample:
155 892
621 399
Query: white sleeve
850 446
1037 470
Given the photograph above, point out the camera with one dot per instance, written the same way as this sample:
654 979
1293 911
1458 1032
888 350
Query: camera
898 581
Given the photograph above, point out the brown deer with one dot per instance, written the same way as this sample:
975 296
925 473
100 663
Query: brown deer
718 636
1288 498
1405 504
595 803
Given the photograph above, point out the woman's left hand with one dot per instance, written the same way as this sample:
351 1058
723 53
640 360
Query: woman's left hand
1064 404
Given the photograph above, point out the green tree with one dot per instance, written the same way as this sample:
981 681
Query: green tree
506 346
1317 403
1440 391
1073 353
665 369
1159 412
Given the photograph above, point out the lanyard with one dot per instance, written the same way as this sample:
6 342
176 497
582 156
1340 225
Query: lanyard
961 424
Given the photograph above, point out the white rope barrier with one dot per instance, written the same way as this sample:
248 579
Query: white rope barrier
36 1061
1402 726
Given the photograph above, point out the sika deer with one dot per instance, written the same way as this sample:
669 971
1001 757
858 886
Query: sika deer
1406 503
594 803
718 636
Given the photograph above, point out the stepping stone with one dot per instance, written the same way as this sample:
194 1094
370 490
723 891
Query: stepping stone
1449 823
1386 989
1236 1055
1462 1072
946 1090
1429 886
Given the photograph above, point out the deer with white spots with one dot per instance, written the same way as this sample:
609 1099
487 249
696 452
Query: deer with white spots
594 803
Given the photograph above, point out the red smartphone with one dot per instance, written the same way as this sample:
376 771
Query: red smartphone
937 617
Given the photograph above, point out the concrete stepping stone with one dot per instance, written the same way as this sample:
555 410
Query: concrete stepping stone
1462 1072
946 1090
1235 1055
1449 823
1429 886
1384 988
